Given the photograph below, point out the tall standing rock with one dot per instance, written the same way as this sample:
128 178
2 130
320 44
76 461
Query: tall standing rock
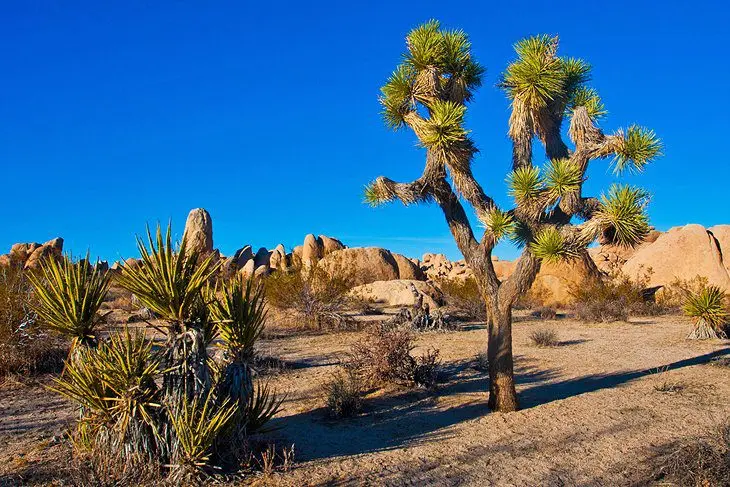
330 245
199 232
311 250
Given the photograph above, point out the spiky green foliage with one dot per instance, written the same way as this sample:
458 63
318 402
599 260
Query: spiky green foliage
623 213
371 196
526 185
169 282
445 126
69 296
635 149
197 424
240 316
708 305
499 222
397 96
425 45
115 386
588 98
263 405
577 72
549 245
562 177
537 77
436 60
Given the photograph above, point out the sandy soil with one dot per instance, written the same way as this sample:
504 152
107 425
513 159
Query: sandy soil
591 413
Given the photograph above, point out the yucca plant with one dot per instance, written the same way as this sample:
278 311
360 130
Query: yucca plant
69 295
171 282
114 384
238 310
197 424
707 307
552 219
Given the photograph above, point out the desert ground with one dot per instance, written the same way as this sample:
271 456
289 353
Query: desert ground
601 408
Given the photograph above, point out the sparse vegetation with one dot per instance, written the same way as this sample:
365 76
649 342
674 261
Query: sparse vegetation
384 356
544 338
614 298
343 393
708 309
312 298
464 297
700 462
545 313
25 348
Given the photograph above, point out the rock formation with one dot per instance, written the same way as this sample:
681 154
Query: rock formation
199 232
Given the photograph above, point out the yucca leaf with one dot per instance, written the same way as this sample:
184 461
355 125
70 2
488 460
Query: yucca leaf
588 98
537 77
397 96
69 297
635 149
623 212
500 223
445 125
708 305
549 245
525 185
562 177
425 45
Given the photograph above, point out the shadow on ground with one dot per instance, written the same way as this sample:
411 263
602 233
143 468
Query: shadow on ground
412 417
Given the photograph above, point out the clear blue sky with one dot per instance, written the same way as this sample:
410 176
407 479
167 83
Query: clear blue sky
115 114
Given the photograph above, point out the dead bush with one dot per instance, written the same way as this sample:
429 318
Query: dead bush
25 348
699 462
312 298
463 296
545 313
384 356
544 338
614 298
342 393
675 294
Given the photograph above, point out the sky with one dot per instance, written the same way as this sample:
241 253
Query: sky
115 115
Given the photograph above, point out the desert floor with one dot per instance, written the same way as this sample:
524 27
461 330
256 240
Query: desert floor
599 409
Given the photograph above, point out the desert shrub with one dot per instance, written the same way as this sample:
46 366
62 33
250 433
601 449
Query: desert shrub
176 406
674 295
313 297
481 361
707 307
544 338
384 356
699 462
25 348
613 298
545 313
342 393
117 298
464 297
535 297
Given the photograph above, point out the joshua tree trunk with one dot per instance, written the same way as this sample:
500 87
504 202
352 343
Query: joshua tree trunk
502 395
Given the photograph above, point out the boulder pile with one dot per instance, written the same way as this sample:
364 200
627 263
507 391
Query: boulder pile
29 255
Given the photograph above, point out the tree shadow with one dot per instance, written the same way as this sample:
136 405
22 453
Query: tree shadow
555 391
416 416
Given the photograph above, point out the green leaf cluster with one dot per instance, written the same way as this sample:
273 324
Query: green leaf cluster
623 211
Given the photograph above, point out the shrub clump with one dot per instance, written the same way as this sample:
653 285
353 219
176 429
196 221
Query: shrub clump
545 313
311 297
700 462
384 356
25 348
464 297
708 309
343 393
614 298
544 338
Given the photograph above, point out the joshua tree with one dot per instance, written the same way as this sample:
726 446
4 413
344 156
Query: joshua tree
707 307
428 93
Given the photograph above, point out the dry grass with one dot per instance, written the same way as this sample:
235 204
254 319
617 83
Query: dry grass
544 338
311 299
25 348
463 296
614 298
342 393
700 462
